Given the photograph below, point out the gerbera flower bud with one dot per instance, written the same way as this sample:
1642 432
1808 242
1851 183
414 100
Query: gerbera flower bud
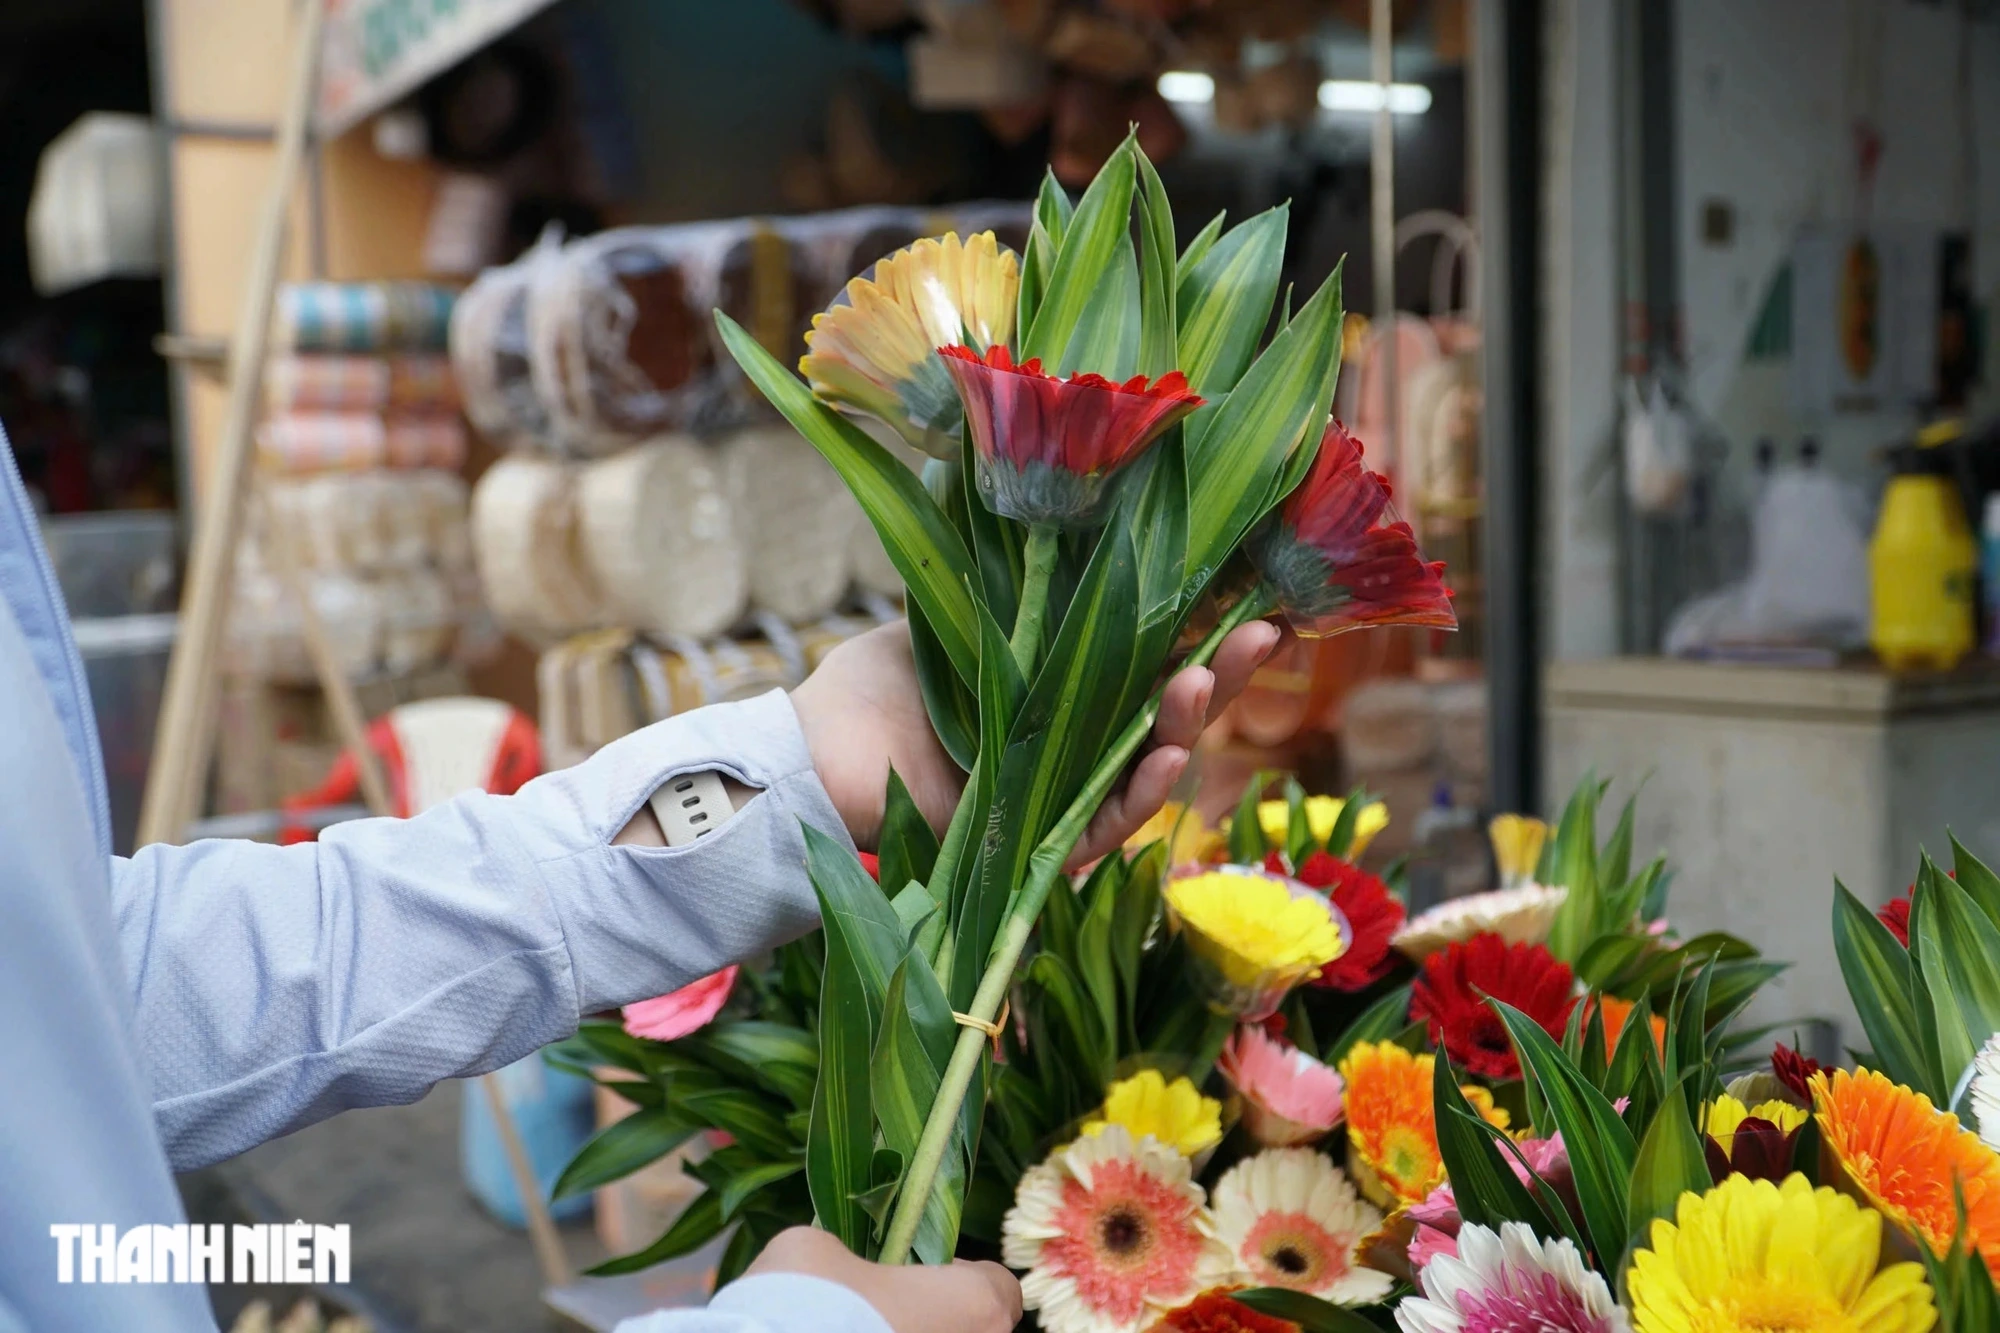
1339 558
1047 446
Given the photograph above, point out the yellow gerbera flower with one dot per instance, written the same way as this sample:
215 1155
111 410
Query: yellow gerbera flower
1517 847
1750 1257
1188 836
1254 927
1175 1113
1392 1143
875 351
1725 1113
1904 1156
1275 818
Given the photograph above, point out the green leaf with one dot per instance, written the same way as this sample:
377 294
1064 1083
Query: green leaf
1107 334
1968 954
904 1076
621 1148
841 1138
907 848
1160 520
738 1189
1614 863
1089 244
1134 913
1340 839
1576 923
1158 328
1198 249
1601 1149
1225 299
1880 981
1246 830
1636 1057
1094 965
1670 1163
1310 1313
1239 452
784 1058
926 550
1045 234
699 1224
743 1116
996 544
1485 1187
1380 1021
914 907
1957 1041
1298 829
950 703
1606 959
1976 879
1079 1017
852 909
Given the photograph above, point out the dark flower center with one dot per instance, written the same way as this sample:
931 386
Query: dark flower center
1122 1231
1289 1261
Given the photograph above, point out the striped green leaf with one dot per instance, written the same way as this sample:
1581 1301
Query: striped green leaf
1880 982
1378 1022
1968 957
1045 234
908 848
1576 923
1088 247
1106 339
1224 300
1159 350
700 1223
1197 250
1976 879
1601 1149
840 1136
1238 451
926 550
1670 1163
1485 1186
949 700
639 1140
904 1075
743 1185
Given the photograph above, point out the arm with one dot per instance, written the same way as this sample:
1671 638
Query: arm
770 1303
274 986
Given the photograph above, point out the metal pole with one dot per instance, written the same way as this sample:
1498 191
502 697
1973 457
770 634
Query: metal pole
1382 182
1507 52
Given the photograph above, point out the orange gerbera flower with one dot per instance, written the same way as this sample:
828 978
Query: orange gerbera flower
1392 1145
1904 1155
1616 1011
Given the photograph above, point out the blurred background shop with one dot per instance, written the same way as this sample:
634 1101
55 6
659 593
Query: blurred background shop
1672 323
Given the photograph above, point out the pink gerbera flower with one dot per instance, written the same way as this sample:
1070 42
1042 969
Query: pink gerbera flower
1288 1097
1112 1232
1508 1280
1047 446
689 1009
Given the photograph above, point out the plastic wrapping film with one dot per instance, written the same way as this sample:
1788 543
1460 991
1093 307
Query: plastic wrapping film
662 538
490 349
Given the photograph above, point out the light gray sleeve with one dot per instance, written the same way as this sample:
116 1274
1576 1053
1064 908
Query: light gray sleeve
770 1303
275 986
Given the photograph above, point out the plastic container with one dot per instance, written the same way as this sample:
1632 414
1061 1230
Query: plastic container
114 564
1922 562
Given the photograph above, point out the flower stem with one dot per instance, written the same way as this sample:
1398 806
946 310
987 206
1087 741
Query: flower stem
1044 867
1038 561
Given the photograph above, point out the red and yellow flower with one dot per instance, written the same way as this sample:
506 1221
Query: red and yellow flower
1392 1142
1337 556
1451 993
1047 447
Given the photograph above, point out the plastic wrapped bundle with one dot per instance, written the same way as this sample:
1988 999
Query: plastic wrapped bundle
618 334
527 543
337 383
662 540
846 244
307 441
767 281
797 522
490 351
362 316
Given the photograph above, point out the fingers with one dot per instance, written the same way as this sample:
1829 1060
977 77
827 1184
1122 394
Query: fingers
1245 649
1131 805
1006 1290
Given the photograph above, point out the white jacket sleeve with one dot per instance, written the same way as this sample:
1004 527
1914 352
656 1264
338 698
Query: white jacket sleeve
275 986
770 1303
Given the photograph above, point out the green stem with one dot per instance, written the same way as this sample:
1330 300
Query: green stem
1044 868
1038 562
1212 1039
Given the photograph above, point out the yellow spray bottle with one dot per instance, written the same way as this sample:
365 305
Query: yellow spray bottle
1922 559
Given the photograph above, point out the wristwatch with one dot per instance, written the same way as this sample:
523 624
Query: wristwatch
691 806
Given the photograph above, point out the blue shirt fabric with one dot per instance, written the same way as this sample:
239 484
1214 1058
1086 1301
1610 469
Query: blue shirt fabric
173 1009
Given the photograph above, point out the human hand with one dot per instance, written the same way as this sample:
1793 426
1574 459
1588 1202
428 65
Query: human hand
862 711
963 1296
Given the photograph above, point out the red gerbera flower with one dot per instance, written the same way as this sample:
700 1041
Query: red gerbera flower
1215 1312
1340 559
1895 914
1371 911
1047 446
1795 1071
1452 990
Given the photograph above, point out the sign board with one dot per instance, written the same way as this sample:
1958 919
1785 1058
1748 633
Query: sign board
376 51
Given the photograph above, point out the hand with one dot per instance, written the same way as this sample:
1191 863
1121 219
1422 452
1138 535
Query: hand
961 1296
862 711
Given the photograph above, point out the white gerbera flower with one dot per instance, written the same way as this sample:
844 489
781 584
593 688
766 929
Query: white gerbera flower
1510 1280
1291 1219
1519 916
1986 1091
1112 1233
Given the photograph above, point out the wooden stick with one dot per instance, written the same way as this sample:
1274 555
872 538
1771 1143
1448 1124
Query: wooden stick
341 701
185 736
549 1250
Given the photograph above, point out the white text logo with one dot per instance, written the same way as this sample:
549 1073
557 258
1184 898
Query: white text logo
183 1252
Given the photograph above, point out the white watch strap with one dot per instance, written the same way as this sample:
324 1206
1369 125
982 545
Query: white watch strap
691 806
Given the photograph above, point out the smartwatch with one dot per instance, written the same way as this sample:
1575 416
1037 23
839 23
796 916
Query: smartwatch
691 806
